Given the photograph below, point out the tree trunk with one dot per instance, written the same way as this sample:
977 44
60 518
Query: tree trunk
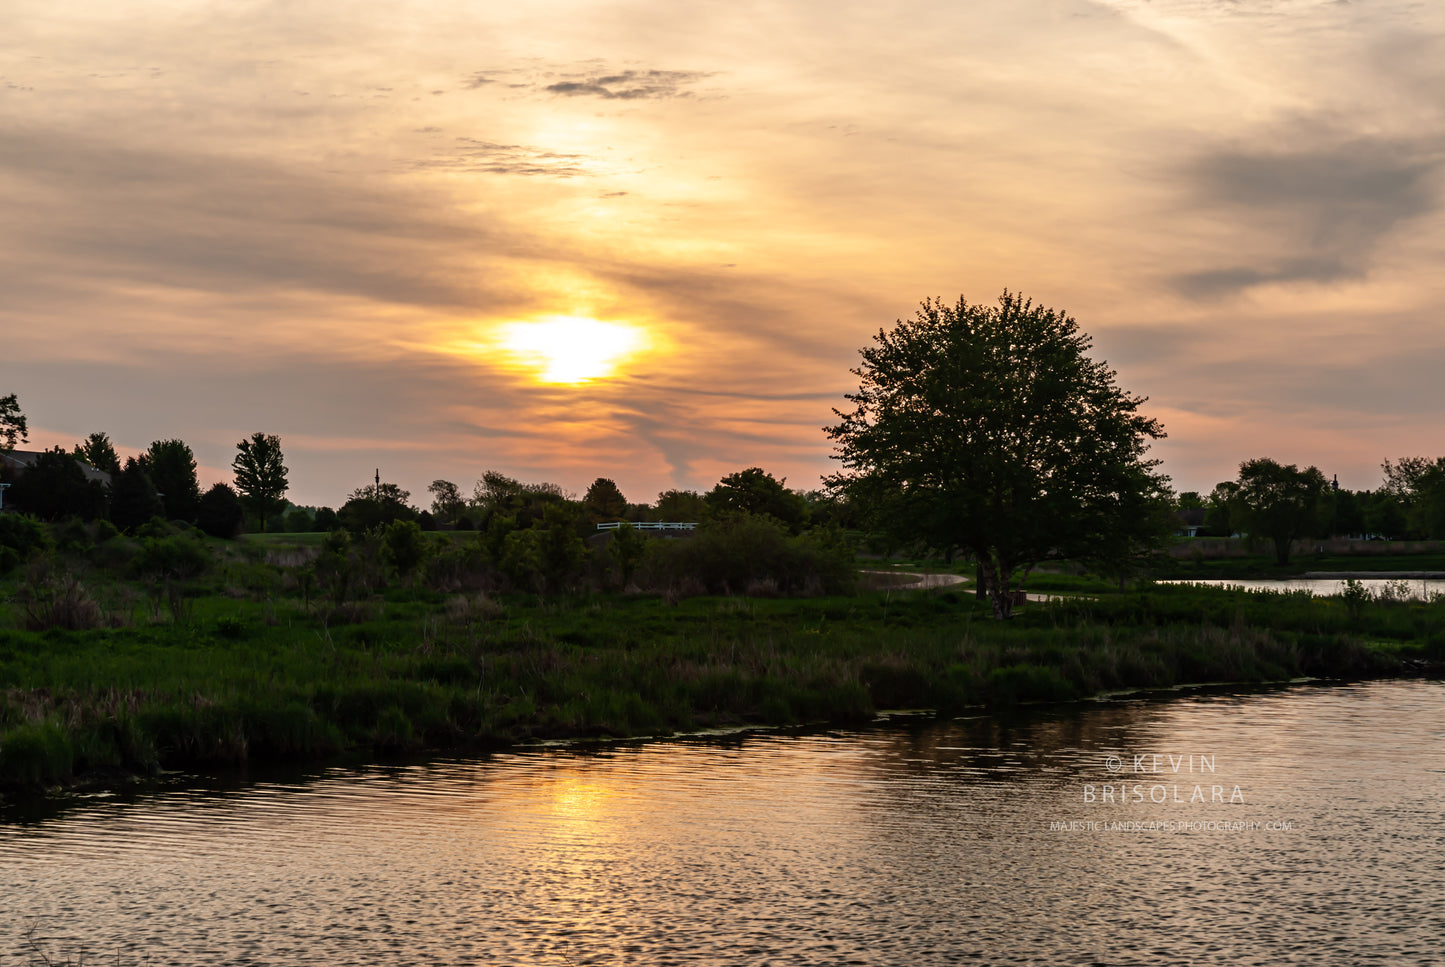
996 576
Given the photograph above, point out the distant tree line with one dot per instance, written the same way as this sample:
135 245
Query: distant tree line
159 483
1281 503
754 532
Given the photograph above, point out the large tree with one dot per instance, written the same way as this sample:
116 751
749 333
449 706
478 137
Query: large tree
1417 484
172 468
447 503
133 498
680 505
219 512
375 505
99 452
13 428
755 491
261 475
604 499
989 428
1280 503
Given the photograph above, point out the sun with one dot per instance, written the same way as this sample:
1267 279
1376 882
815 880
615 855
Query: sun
571 350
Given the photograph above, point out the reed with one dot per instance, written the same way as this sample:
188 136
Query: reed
241 663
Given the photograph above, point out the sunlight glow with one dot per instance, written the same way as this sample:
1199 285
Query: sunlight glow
572 349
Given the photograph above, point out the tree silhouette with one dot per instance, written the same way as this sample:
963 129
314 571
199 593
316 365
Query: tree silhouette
989 428
98 451
13 429
261 475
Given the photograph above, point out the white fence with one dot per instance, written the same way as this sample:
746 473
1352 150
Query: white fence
651 525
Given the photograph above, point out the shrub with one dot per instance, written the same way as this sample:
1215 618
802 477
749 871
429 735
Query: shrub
1355 596
21 535
230 627
175 557
60 601
404 546
72 536
733 555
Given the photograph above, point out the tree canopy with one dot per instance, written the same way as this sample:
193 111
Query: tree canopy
680 505
13 428
604 499
1417 484
375 505
99 452
989 428
1280 503
133 498
261 474
755 491
447 500
172 468
219 512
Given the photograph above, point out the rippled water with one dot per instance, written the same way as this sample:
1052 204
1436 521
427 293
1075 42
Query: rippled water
897 845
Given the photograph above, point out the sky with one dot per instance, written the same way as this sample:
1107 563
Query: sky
645 240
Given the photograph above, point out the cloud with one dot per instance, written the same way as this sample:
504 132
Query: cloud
101 213
489 157
629 85
1320 213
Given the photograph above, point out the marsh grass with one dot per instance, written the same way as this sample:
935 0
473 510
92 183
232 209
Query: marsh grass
240 664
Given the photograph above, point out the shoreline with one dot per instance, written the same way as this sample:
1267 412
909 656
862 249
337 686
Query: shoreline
266 676
105 784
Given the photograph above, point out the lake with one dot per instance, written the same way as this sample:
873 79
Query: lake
1296 825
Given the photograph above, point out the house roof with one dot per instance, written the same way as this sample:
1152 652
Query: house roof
19 461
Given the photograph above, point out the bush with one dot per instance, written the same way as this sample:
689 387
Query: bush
748 554
230 627
23 536
57 601
72 536
404 546
172 557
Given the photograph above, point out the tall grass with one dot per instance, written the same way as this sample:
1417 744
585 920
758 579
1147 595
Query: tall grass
244 661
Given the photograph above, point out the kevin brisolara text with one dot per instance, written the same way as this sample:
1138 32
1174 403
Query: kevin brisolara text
1123 793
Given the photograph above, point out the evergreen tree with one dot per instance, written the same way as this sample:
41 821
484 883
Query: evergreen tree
261 475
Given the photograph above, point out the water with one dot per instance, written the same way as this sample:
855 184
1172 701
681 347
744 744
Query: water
961 842
1418 589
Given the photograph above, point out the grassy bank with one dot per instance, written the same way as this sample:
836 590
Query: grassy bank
1324 556
217 673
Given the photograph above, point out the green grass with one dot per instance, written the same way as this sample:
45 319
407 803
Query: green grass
237 666
286 538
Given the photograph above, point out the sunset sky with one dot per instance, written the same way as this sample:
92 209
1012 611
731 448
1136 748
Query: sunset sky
367 227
